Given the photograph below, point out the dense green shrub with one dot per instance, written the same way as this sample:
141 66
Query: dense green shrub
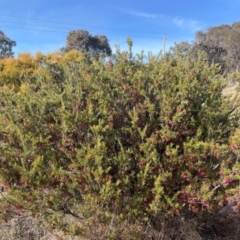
137 140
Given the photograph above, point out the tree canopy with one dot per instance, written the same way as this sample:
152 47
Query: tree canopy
219 43
214 52
6 45
180 49
83 41
227 38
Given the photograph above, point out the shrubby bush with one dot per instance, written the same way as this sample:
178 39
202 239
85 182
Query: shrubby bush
136 140
14 71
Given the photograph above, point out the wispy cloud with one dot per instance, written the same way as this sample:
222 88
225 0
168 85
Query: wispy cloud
187 23
165 19
143 14
137 13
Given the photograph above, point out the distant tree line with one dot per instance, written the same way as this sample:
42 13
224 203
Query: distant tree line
220 43
80 40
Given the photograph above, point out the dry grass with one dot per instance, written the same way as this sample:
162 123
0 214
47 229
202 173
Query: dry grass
231 89
175 229
221 227
24 227
216 227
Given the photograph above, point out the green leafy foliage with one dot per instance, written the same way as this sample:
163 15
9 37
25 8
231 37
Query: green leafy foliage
135 140
6 45
82 41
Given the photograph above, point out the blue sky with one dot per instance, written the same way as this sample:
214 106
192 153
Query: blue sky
43 25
